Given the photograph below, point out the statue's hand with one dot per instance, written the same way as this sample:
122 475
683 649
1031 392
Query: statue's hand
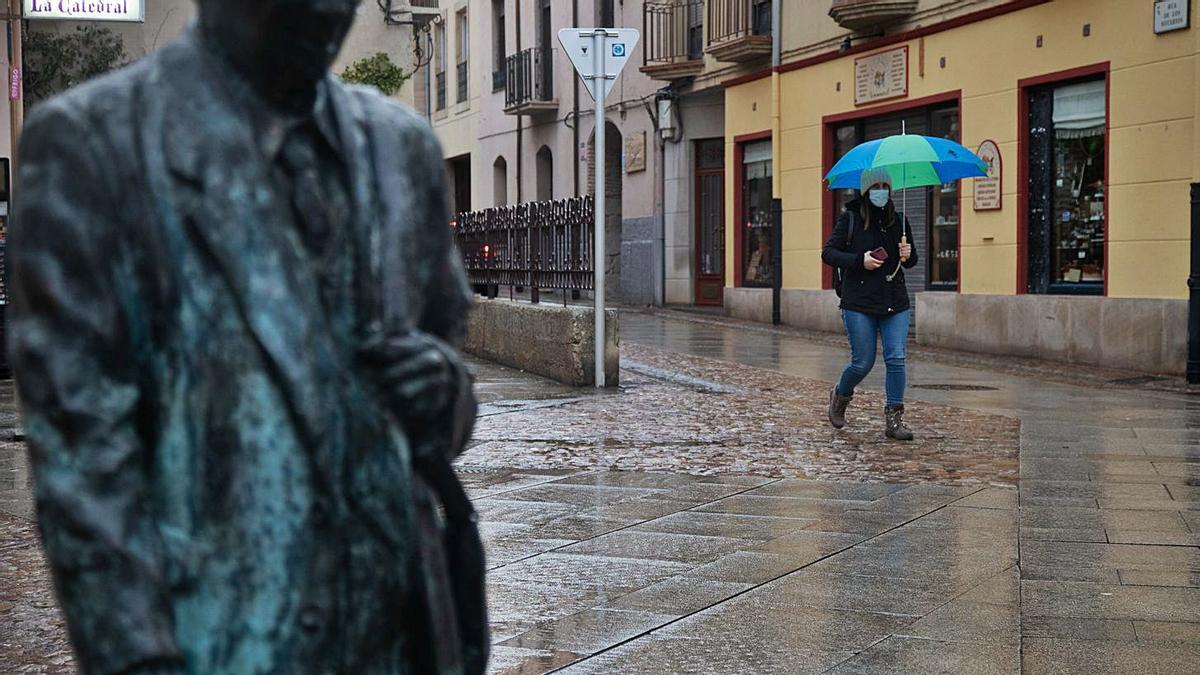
417 375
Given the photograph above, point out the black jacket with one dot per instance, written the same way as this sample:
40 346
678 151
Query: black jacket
864 291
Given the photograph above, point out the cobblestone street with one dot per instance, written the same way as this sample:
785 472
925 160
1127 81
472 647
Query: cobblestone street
705 519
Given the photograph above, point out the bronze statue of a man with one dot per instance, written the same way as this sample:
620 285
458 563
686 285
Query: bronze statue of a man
234 304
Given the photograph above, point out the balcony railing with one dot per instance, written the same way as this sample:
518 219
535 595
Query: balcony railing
463 77
439 85
739 30
538 245
674 33
529 82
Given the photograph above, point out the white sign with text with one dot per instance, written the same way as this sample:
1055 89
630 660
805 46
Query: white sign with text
86 10
1171 15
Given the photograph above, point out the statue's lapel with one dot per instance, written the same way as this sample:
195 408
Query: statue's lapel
229 209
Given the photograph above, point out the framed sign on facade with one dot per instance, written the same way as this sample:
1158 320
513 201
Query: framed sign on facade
86 10
1171 15
635 152
881 77
989 191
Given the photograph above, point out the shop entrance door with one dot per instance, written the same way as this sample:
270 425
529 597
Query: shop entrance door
710 222
933 212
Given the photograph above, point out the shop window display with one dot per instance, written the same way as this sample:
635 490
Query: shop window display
758 226
1067 227
933 212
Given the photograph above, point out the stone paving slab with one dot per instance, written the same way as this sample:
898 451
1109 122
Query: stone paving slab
914 655
1091 657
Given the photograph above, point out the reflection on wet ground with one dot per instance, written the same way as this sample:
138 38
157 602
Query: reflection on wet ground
1093 565
719 551
687 414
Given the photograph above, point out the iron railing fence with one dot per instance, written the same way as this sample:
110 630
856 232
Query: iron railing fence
536 245
530 76
674 32
734 19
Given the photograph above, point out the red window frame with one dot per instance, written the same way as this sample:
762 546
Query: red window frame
1023 87
829 122
739 203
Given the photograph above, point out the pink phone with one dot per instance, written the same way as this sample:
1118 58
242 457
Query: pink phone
879 254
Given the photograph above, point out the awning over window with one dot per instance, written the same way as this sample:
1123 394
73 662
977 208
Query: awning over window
1079 110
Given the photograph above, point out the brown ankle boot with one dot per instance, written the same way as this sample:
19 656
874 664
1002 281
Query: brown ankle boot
836 410
894 417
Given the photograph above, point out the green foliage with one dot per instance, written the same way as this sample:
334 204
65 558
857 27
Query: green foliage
55 62
377 71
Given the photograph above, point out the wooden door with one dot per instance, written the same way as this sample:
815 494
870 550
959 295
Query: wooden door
710 222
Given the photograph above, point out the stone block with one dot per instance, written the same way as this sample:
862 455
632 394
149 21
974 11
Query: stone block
639 229
1084 329
935 318
811 309
1175 336
1022 323
983 321
639 266
1053 339
753 304
1131 334
545 339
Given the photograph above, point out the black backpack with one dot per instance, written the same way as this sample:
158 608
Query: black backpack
839 274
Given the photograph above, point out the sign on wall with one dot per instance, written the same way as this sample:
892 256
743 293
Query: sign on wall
989 191
635 152
86 10
881 76
1171 15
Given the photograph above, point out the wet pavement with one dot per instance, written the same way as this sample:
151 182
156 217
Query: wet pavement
704 520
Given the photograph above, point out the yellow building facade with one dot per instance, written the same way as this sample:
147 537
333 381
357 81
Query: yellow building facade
1086 257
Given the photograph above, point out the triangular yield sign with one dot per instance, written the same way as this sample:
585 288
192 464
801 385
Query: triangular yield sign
618 46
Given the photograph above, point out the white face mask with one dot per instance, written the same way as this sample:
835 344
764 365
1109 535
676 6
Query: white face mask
880 196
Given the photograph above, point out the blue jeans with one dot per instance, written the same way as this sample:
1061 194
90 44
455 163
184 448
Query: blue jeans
862 329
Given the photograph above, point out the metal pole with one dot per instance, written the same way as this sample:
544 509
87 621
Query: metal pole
776 261
1193 363
599 258
777 175
17 106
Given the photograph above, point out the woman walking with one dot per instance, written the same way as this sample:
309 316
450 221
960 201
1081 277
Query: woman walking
870 247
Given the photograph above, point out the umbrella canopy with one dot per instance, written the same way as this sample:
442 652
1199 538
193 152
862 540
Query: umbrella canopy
911 160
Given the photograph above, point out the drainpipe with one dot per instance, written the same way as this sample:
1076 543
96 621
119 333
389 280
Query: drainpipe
575 108
520 118
1193 364
776 174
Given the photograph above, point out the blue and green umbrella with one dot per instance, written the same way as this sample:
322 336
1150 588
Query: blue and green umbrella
911 160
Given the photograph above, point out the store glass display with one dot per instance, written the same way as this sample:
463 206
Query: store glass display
758 226
944 211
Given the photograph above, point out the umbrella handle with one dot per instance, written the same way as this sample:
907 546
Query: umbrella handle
903 242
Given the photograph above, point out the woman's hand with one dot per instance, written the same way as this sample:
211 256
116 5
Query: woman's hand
871 263
905 250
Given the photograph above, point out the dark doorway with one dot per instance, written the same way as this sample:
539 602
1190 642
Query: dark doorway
613 197
460 188
545 174
710 221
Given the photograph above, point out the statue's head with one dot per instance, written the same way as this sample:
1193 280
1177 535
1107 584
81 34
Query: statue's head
284 47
